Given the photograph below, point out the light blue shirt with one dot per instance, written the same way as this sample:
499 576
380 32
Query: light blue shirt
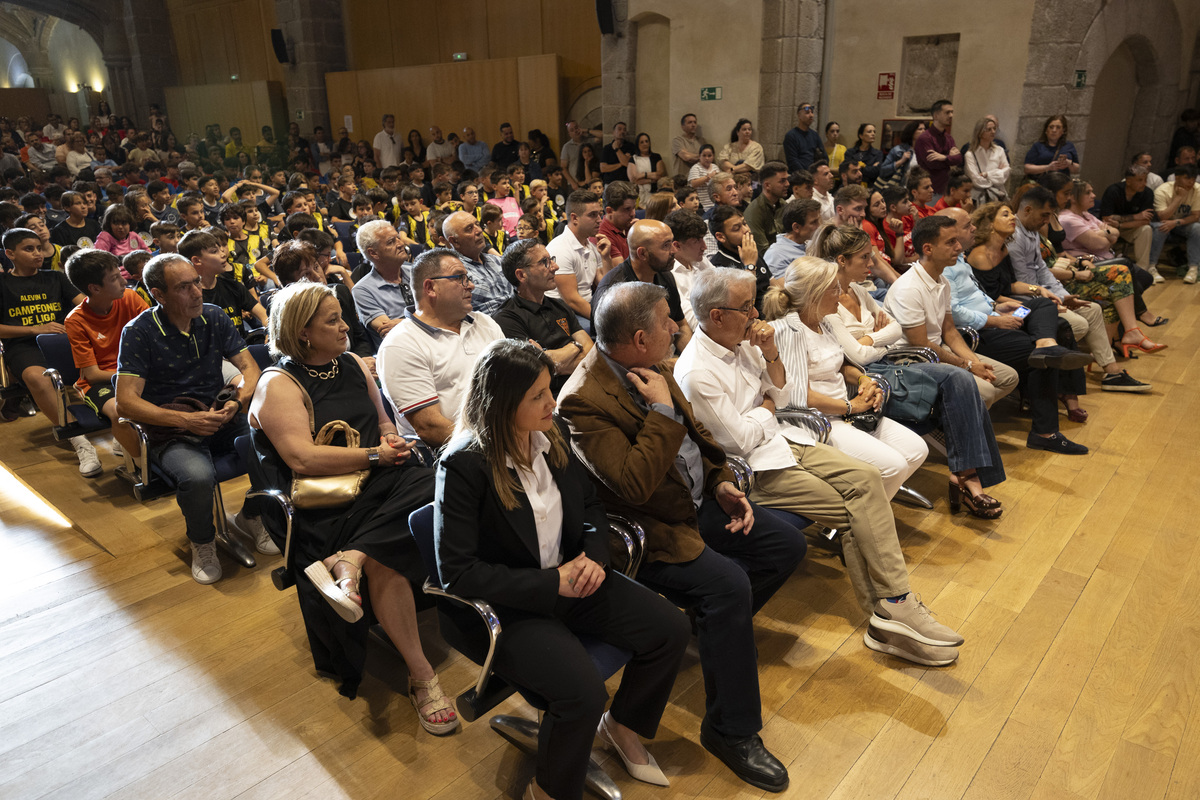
1025 251
492 289
474 156
783 252
969 305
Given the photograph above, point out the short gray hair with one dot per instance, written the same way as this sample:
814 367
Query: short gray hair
368 235
712 287
625 309
154 274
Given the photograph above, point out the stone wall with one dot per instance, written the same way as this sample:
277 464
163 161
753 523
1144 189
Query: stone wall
793 53
316 44
618 66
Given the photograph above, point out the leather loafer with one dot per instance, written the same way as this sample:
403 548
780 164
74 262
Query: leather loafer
1055 444
1059 357
748 758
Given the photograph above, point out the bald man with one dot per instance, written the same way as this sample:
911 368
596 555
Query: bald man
463 233
651 257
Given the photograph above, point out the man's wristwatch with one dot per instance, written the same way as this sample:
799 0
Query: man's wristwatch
577 344
372 457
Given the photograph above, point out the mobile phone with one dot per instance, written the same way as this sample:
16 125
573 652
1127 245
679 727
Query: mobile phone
1021 313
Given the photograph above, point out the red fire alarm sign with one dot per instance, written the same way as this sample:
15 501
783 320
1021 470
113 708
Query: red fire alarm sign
887 86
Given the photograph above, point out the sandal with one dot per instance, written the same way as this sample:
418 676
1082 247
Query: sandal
333 589
1143 344
1157 321
436 701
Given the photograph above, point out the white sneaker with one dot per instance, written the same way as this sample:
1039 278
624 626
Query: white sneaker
1191 274
1158 278
206 568
117 450
253 527
89 461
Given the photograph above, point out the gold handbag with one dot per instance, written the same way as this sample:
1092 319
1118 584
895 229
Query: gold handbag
326 491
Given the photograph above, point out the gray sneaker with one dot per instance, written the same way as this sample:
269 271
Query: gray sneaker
893 644
1158 278
253 527
911 618
206 568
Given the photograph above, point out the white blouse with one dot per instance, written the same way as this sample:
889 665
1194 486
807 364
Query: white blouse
825 361
848 329
545 501
988 169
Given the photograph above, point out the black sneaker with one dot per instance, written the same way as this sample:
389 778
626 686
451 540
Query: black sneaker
1057 443
1059 357
1122 382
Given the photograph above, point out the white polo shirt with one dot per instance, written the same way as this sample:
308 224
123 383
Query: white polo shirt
420 365
581 260
916 298
389 147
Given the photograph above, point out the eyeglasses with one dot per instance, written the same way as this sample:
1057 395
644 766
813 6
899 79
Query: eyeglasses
744 310
461 278
548 261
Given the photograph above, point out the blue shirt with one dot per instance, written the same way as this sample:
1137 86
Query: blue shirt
802 148
1041 154
969 304
474 156
173 362
376 297
1025 253
492 289
781 254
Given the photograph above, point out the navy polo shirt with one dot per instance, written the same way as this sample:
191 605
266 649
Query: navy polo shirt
173 362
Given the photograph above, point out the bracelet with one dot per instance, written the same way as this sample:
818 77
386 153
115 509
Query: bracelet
849 411
771 360
969 365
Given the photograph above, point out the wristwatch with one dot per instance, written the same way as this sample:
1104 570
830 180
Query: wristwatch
578 344
372 457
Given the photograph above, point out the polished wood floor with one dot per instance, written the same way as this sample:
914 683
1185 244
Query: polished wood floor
121 677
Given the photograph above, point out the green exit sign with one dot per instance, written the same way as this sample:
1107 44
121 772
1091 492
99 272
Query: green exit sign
1080 78
710 93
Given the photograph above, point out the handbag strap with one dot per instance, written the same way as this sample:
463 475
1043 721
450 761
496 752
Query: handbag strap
308 406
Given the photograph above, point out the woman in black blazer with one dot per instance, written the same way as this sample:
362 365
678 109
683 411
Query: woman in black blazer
517 523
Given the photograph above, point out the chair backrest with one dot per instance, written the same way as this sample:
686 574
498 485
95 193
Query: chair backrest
56 349
262 355
420 523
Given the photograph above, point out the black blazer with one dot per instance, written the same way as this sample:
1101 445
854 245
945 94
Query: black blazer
487 552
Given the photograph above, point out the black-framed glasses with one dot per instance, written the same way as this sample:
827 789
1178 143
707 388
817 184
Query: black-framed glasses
547 262
744 310
461 278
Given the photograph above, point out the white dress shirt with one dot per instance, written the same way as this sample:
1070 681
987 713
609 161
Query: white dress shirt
726 389
685 276
545 500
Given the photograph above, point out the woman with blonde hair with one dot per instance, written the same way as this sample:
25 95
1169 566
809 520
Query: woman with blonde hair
986 164
361 561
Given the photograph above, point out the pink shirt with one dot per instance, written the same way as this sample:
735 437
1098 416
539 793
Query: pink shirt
1074 225
105 241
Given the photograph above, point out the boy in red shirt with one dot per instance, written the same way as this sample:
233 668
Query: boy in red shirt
94 330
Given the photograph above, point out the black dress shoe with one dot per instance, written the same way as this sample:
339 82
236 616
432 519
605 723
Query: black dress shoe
748 758
1055 444
1059 357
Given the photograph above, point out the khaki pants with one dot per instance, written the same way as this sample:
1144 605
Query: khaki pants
834 489
1006 380
1087 324
1139 240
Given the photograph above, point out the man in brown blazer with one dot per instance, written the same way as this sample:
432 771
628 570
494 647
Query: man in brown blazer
707 547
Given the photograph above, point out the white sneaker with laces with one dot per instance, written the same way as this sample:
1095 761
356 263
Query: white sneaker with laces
1191 274
1158 278
89 461
253 527
206 568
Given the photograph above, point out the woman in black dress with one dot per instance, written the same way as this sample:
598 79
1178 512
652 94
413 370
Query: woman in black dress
365 545
518 523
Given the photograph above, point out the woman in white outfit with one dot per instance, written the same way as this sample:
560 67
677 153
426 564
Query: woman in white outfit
819 371
986 164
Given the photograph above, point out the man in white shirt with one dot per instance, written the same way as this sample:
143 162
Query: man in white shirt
425 363
439 151
822 190
688 230
732 375
581 264
387 146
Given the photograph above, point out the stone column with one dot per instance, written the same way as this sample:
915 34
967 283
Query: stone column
618 65
316 44
793 51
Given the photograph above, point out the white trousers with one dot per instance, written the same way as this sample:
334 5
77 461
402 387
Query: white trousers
893 449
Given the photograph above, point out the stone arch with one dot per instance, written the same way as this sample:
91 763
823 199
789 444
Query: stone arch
1072 35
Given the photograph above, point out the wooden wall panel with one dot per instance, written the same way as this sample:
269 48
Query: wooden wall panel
342 90
415 39
218 38
514 28
463 27
33 103
369 34
538 90
571 30
246 105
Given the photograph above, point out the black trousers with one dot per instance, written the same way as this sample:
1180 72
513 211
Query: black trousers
727 584
544 655
1042 386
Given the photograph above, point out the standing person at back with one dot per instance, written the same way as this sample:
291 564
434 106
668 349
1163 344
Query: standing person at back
935 149
802 145
685 148
616 156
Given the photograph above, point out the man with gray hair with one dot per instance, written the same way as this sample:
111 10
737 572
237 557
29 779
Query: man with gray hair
707 547
382 296
733 377
464 234
386 145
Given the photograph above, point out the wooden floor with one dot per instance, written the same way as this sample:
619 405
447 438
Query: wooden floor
121 677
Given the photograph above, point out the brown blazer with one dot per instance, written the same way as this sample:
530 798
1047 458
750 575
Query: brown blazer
632 454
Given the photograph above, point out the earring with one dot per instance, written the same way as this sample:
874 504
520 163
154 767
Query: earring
304 343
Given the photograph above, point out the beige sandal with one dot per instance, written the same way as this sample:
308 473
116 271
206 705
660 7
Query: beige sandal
333 590
434 702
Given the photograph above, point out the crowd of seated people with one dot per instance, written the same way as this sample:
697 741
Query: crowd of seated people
601 328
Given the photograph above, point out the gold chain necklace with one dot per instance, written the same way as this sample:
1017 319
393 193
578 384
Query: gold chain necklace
326 375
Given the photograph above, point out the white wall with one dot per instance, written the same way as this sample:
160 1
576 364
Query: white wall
15 74
76 58
993 51
706 36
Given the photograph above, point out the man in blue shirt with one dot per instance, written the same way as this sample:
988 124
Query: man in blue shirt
383 296
802 145
800 220
172 351
492 290
474 154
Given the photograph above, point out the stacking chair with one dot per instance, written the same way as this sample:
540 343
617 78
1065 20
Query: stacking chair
11 388
478 643
75 417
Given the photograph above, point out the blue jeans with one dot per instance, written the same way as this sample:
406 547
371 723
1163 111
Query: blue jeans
190 467
1189 232
970 442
